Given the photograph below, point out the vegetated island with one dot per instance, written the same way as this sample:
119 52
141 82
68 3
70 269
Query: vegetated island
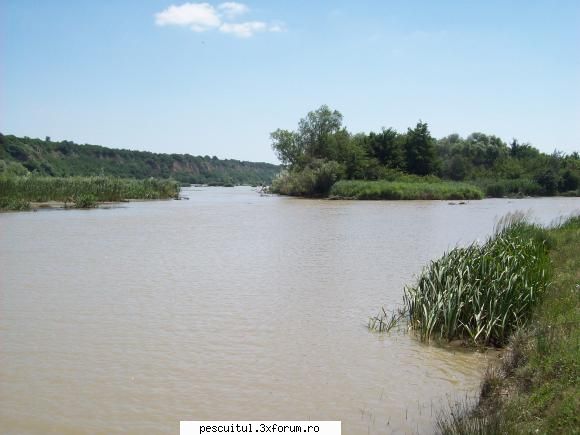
519 290
37 171
322 159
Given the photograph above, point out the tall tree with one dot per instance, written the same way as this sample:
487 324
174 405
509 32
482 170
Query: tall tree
314 131
385 147
312 140
420 150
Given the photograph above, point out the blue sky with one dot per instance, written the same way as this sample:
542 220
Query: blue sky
217 78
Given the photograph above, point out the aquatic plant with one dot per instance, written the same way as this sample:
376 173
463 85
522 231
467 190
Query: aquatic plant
85 200
482 293
82 189
14 204
535 388
385 322
447 190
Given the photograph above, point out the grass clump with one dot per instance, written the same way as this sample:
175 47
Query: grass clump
405 190
85 200
482 293
385 322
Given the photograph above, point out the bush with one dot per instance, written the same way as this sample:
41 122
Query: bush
314 180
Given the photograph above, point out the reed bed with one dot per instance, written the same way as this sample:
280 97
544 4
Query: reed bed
535 388
482 293
402 190
82 190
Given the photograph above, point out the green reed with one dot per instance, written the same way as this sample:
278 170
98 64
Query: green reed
405 190
385 322
83 190
482 293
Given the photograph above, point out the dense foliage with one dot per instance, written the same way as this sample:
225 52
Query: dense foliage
20 156
321 151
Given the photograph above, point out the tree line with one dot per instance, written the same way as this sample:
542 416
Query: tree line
23 155
322 151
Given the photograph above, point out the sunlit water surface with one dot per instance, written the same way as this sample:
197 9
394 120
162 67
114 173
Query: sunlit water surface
229 306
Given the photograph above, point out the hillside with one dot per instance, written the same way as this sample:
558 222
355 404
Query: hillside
19 155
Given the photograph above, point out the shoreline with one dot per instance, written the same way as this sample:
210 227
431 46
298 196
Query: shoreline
35 206
533 387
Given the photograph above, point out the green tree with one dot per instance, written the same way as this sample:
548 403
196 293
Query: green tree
420 152
288 147
313 139
315 130
385 147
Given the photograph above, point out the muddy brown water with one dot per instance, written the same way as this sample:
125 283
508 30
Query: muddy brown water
229 306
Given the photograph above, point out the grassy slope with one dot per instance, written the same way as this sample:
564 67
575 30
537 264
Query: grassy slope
536 388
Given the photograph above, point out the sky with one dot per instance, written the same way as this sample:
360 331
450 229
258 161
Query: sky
217 78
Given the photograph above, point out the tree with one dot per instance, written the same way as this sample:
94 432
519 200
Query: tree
385 147
313 139
420 150
314 131
287 146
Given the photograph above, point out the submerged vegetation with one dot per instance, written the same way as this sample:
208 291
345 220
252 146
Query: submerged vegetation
322 152
535 389
16 193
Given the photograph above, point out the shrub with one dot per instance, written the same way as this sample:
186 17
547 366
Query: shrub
314 180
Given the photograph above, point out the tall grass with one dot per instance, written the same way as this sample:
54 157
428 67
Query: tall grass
71 189
510 187
535 389
482 293
448 190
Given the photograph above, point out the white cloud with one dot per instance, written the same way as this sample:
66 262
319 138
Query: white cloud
197 16
233 9
243 30
201 17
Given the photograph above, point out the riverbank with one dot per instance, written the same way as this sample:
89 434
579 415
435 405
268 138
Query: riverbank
401 190
33 192
535 388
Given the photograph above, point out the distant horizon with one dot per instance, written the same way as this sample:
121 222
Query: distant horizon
215 78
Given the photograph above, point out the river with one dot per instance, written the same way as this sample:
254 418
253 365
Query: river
228 306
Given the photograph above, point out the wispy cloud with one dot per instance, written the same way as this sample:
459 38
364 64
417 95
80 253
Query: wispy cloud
233 9
201 17
197 16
